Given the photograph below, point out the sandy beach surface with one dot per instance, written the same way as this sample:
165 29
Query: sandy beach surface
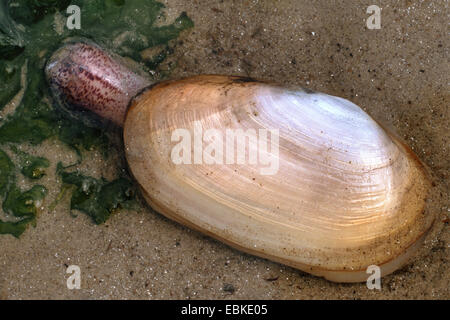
399 74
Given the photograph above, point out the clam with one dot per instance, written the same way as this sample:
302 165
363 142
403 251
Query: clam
299 177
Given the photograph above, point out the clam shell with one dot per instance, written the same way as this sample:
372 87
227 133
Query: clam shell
346 194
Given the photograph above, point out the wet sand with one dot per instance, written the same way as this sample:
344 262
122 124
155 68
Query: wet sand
398 74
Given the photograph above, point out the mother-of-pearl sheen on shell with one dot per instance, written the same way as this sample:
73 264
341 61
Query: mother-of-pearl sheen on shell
346 195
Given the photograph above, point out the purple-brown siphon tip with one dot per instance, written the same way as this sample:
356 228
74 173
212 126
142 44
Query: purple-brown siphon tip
88 77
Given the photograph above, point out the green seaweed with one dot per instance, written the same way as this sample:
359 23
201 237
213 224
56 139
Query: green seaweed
9 81
80 137
17 203
23 204
98 198
11 40
32 167
29 33
30 11
15 228
32 125
7 175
